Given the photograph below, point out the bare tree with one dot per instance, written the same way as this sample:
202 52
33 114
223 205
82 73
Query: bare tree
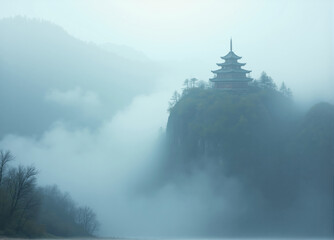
5 157
86 218
20 183
29 209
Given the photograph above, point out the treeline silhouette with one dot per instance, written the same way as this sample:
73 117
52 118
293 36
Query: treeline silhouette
28 210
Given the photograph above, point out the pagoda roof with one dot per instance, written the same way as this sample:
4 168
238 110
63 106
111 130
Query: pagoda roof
231 55
245 79
240 70
230 63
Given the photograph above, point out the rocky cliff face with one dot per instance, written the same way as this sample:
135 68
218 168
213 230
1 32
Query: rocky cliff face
262 140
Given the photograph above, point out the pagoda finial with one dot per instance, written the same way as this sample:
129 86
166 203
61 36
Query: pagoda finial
231 44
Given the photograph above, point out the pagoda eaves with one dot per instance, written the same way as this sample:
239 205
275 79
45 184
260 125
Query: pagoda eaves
231 75
231 55
230 63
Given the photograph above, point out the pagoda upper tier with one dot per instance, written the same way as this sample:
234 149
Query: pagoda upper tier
231 75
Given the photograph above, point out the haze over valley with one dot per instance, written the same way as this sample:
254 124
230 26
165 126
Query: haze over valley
110 104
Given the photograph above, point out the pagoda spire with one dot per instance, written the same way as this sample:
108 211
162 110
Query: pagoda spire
231 45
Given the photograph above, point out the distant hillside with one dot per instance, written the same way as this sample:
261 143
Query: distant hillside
283 160
125 52
49 75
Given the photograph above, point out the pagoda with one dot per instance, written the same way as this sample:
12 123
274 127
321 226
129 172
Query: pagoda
231 76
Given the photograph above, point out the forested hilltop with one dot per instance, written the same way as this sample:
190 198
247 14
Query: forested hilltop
281 158
27 210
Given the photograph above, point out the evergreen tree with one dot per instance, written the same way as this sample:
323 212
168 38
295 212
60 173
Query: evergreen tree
174 100
186 83
193 82
285 91
267 82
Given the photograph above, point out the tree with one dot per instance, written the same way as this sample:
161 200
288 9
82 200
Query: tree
202 84
5 157
186 83
174 100
31 212
254 83
285 91
193 82
28 210
288 93
86 218
61 216
18 200
267 82
21 183
283 87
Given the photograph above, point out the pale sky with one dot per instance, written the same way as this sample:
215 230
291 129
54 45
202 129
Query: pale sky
292 40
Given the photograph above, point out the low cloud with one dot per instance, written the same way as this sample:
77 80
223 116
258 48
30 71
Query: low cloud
85 100
95 166
106 169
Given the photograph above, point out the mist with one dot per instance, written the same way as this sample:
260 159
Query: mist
85 88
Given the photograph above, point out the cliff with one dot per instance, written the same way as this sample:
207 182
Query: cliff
274 150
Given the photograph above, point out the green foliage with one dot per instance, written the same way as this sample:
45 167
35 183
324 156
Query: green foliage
210 122
174 99
211 117
267 82
258 136
285 91
314 142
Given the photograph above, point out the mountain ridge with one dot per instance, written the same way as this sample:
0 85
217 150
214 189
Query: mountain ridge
38 57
